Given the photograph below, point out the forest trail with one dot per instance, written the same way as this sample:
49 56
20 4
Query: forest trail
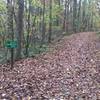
71 71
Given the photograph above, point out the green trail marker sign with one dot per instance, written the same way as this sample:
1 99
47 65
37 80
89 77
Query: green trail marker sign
11 44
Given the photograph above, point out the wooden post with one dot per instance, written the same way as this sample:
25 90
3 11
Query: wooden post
12 58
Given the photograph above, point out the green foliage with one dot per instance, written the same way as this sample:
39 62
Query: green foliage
41 49
36 3
3 10
2 7
57 10
98 33
33 51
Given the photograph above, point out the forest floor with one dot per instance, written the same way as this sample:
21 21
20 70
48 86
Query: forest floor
70 71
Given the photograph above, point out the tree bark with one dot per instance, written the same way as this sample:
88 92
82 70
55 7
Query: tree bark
19 28
28 31
43 24
10 27
74 15
50 22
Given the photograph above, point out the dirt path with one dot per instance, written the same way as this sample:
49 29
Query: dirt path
71 71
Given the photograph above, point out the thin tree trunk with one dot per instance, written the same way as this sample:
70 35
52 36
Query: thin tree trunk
50 22
67 19
65 16
74 15
28 31
79 16
43 24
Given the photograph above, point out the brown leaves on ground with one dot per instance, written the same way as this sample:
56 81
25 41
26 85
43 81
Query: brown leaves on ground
71 72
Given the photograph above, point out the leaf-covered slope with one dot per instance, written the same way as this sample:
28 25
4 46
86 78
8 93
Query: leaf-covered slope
71 71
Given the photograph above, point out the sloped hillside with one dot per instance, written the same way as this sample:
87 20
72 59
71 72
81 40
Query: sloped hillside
71 71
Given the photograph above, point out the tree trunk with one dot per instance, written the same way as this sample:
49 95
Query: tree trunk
65 16
43 24
28 31
19 28
79 15
50 22
10 27
74 15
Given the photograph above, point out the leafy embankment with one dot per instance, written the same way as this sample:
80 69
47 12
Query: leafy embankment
71 71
